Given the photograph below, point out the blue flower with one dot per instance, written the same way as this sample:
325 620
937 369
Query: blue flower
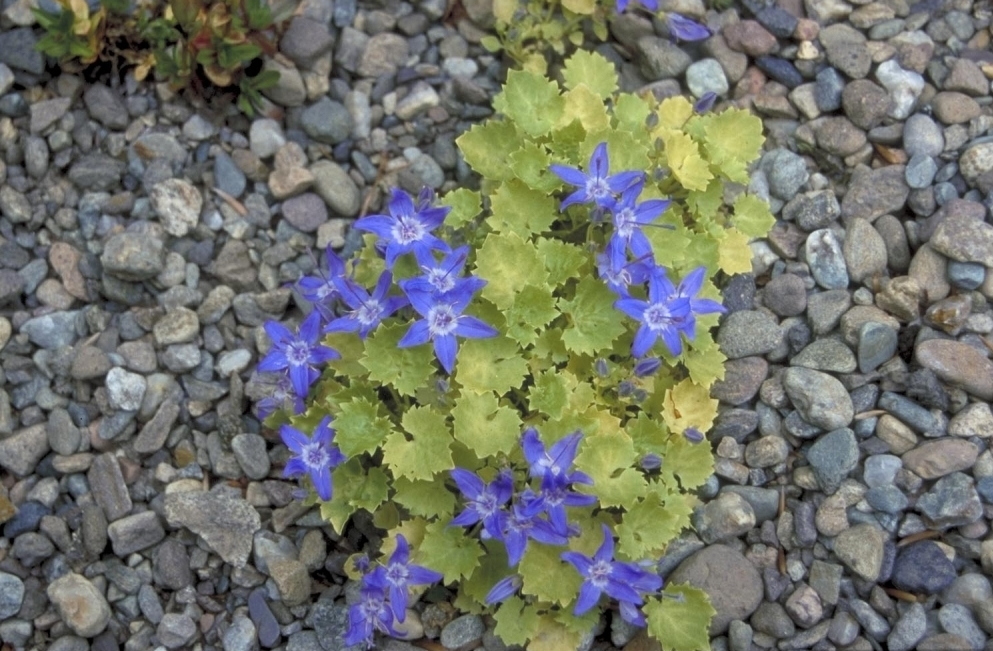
315 456
399 574
503 589
281 395
372 613
407 228
651 5
688 288
629 216
664 315
484 502
322 289
693 435
298 353
706 102
367 311
443 319
614 268
445 276
684 29
595 185
622 581
555 462
647 367
524 523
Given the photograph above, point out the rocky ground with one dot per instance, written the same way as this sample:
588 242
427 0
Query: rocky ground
144 240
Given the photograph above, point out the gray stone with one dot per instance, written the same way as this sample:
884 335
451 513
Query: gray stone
20 453
862 549
706 76
240 636
250 451
951 502
383 54
728 516
729 579
833 457
133 257
228 176
266 137
830 355
305 41
175 630
108 487
337 188
106 107
178 205
125 390
463 632
135 533
18 50
826 259
11 595
226 524
786 171
327 121
420 98
306 212
820 398
747 333
873 193
659 58
957 619
80 604
877 344
96 172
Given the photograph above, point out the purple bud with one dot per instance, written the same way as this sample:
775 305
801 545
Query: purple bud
625 388
706 102
503 589
601 367
651 461
647 367
684 29
693 435
640 395
361 564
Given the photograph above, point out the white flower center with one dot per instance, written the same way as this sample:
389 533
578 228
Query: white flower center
315 456
658 316
597 189
298 353
624 222
442 320
599 574
397 574
441 279
407 230
370 313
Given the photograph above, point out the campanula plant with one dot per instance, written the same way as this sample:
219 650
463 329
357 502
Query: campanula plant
522 412
532 32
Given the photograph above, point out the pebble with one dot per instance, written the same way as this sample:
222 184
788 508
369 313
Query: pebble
726 517
820 398
327 121
306 212
904 86
80 604
463 633
224 523
874 193
862 550
747 333
877 344
957 619
951 502
731 582
826 259
833 457
922 567
908 630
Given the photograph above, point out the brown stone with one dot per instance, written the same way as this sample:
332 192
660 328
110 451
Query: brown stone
65 260
942 457
958 364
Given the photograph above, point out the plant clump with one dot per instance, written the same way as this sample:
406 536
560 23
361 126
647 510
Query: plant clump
189 44
513 383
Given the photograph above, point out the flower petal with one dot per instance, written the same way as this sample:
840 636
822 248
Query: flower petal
445 348
589 595
470 326
417 334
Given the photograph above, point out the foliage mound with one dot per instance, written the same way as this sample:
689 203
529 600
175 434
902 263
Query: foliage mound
510 383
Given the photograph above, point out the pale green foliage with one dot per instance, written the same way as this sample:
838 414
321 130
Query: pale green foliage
404 424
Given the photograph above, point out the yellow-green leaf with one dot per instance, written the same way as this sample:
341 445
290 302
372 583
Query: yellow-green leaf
490 365
692 463
487 148
428 498
583 104
520 209
684 160
680 620
546 576
485 426
733 134
735 254
359 427
406 369
516 622
466 205
426 452
449 550
752 215
592 70
631 112
533 309
689 404
564 260
531 101
674 112
507 263
593 321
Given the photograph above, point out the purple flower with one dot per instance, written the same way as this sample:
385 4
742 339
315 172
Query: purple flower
503 589
664 315
372 613
298 353
693 435
322 289
651 5
367 311
595 185
524 522
684 29
315 456
281 396
556 461
706 102
443 319
484 502
688 288
399 574
407 228
647 367
619 274
445 276
622 581
629 216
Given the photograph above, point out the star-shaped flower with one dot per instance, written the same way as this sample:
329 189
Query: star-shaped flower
629 216
443 319
299 353
484 502
398 574
368 311
322 289
622 581
684 29
524 522
595 185
407 228
662 315
314 456
372 613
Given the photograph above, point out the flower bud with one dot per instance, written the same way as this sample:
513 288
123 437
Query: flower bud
693 435
647 366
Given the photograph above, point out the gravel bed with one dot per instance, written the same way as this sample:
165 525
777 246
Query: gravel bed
144 241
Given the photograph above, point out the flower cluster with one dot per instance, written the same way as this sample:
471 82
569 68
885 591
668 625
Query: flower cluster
383 597
314 456
628 259
439 297
541 515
